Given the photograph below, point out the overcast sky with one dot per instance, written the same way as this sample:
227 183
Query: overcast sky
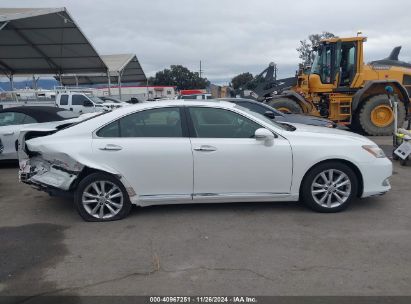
231 36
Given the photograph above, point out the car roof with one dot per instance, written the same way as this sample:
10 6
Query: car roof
39 113
183 102
163 103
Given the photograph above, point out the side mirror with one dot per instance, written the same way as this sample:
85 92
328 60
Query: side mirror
88 103
269 114
264 134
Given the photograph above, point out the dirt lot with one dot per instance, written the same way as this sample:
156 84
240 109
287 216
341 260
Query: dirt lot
247 249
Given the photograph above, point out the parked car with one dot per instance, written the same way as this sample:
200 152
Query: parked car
279 116
79 102
109 99
199 152
195 96
12 120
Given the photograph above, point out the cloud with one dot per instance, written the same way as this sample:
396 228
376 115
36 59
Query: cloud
231 36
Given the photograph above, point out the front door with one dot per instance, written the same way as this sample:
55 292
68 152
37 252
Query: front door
229 162
78 103
152 150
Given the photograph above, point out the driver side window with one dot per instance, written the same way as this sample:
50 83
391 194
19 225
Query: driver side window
220 123
78 100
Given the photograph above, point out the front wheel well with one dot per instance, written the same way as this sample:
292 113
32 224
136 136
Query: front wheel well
342 161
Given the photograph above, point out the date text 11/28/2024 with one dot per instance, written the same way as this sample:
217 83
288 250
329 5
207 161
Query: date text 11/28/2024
203 299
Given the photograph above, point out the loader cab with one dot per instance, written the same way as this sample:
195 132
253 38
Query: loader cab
336 64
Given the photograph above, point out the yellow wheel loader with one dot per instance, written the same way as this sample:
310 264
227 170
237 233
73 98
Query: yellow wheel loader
341 87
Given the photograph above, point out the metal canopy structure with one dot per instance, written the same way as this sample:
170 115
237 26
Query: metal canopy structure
123 68
44 41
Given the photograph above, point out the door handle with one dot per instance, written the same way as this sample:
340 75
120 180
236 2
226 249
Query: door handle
111 147
206 148
9 133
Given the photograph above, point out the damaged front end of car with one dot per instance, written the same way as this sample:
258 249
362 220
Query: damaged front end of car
43 167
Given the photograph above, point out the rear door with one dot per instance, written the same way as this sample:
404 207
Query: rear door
230 164
152 150
63 101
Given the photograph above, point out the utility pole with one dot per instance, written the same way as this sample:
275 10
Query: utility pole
201 71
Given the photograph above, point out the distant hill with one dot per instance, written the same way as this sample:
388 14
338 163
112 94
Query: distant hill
42 83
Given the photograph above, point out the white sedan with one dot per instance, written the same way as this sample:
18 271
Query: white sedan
15 119
175 152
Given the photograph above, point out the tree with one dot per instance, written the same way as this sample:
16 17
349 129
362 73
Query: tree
180 77
305 50
241 80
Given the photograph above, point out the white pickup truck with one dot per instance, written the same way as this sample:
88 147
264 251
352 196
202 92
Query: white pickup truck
79 102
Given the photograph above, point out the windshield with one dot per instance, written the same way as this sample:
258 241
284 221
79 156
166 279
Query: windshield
262 117
315 68
113 100
79 122
322 63
95 99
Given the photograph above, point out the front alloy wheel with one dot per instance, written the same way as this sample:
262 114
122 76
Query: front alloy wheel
101 197
329 187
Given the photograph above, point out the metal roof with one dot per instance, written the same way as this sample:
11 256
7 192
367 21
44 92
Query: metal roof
44 41
125 65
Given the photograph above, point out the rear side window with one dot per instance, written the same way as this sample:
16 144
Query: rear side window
111 130
164 122
64 100
11 118
78 100
15 118
29 120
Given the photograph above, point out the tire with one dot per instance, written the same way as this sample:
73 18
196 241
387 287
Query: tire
365 119
99 208
286 105
395 156
319 200
355 124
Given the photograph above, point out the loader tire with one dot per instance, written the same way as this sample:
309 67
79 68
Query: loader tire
376 117
286 105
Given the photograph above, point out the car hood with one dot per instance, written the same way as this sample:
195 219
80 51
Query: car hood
306 119
332 133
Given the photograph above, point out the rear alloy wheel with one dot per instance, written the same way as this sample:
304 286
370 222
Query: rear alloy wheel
377 118
329 187
101 197
286 105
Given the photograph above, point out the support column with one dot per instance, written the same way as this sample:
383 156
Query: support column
147 88
12 87
35 86
109 83
119 85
